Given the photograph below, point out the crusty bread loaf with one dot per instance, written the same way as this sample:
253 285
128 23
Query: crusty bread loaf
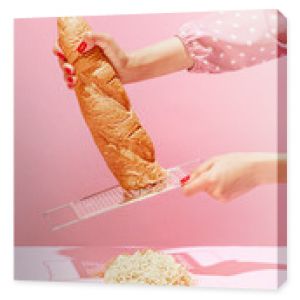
120 137
147 267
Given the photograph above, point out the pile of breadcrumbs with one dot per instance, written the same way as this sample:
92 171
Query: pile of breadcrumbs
147 267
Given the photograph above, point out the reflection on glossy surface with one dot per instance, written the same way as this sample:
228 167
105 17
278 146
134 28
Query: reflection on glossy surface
210 266
89 261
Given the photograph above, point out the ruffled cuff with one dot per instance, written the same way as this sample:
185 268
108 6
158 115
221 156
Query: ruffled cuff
191 39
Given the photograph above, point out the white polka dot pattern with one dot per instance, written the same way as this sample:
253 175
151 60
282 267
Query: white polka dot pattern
227 41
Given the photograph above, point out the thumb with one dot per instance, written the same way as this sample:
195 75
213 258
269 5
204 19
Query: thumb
110 48
204 167
87 43
198 184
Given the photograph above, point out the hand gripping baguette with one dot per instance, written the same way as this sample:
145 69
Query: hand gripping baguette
117 132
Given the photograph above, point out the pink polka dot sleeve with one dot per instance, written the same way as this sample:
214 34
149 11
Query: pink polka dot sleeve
228 41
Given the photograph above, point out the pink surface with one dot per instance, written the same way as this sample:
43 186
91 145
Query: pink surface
188 116
226 267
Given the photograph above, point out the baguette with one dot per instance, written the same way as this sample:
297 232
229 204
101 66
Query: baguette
116 129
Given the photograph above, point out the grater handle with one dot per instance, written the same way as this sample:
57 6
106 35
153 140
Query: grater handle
61 216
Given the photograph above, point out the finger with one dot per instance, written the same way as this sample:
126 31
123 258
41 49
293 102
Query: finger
87 43
56 48
199 184
184 180
61 64
56 45
71 80
217 195
204 167
71 85
110 48
197 172
94 38
68 69
58 52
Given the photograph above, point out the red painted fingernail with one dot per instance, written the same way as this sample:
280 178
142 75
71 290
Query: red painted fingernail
68 71
61 56
70 79
82 46
184 180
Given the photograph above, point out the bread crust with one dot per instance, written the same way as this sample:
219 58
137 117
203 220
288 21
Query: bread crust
116 129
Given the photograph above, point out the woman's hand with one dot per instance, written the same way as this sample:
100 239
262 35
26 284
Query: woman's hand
165 57
228 176
68 70
115 54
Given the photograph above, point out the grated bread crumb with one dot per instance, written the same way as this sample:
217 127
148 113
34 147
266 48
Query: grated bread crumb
147 267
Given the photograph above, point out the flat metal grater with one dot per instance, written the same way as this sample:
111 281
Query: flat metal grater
109 199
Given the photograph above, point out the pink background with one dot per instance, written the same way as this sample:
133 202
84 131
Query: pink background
188 116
